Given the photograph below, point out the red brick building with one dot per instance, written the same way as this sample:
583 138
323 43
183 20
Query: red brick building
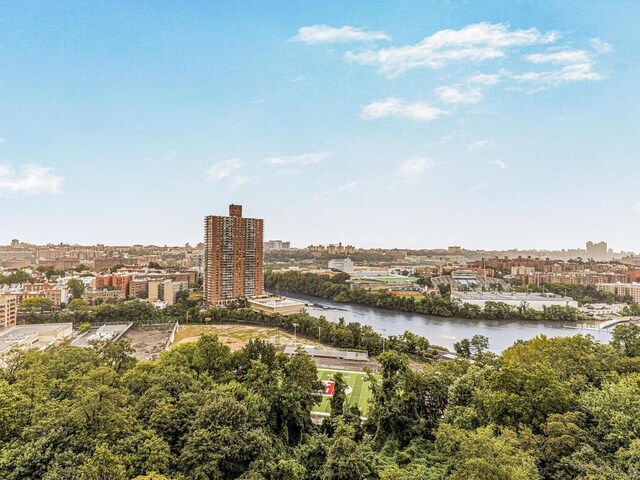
233 257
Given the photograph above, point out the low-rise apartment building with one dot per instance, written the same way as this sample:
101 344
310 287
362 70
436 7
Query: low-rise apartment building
622 289
169 290
573 278
93 297
57 295
8 310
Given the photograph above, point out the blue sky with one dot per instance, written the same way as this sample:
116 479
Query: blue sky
409 124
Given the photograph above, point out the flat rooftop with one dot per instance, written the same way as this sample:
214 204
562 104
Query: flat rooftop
104 332
510 296
387 277
328 352
276 302
31 334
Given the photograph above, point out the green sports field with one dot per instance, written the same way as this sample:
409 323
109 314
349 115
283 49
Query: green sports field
359 395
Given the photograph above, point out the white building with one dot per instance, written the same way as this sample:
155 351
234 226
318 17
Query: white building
281 305
343 264
535 301
35 336
595 309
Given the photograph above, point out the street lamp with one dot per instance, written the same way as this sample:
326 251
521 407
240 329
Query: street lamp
384 332
295 333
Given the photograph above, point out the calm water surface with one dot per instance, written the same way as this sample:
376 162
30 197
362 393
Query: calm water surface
445 331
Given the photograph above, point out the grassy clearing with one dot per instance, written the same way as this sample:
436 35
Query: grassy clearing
360 390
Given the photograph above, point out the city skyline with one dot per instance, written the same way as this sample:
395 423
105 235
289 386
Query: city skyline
284 245
489 125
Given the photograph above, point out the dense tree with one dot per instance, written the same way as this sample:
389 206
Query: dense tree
103 465
616 409
36 304
578 360
77 304
339 395
479 344
289 470
484 455
463 348
76 287
563 436
514 396
626 338
18 276
347 460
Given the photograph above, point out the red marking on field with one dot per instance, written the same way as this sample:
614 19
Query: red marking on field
328 387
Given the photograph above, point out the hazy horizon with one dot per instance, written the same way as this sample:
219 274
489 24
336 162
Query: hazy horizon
306 244
489 125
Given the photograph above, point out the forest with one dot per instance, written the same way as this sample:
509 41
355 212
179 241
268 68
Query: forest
548 408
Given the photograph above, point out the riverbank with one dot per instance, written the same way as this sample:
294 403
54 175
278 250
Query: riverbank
337 289
444 331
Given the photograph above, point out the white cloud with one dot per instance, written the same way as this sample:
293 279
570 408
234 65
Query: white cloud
345 187
569 73
600 46
561 57
497 163
476 43
226 169
416 165
456 96
1 140
577 66
326 34
396 107
302 159
29 180
478 145
485 78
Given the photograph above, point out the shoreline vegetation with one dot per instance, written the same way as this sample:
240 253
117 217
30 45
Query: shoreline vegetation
440 305
353 335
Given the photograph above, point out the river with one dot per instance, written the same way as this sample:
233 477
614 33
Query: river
444 331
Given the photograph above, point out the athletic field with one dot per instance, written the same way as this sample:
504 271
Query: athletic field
358 391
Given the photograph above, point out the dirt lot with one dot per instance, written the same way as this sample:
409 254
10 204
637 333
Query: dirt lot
148 341
237 336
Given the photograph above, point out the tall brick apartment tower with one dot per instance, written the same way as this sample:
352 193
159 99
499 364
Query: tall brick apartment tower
232 257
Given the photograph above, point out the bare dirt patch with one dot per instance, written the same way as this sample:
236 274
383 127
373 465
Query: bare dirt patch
237 336
148 341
